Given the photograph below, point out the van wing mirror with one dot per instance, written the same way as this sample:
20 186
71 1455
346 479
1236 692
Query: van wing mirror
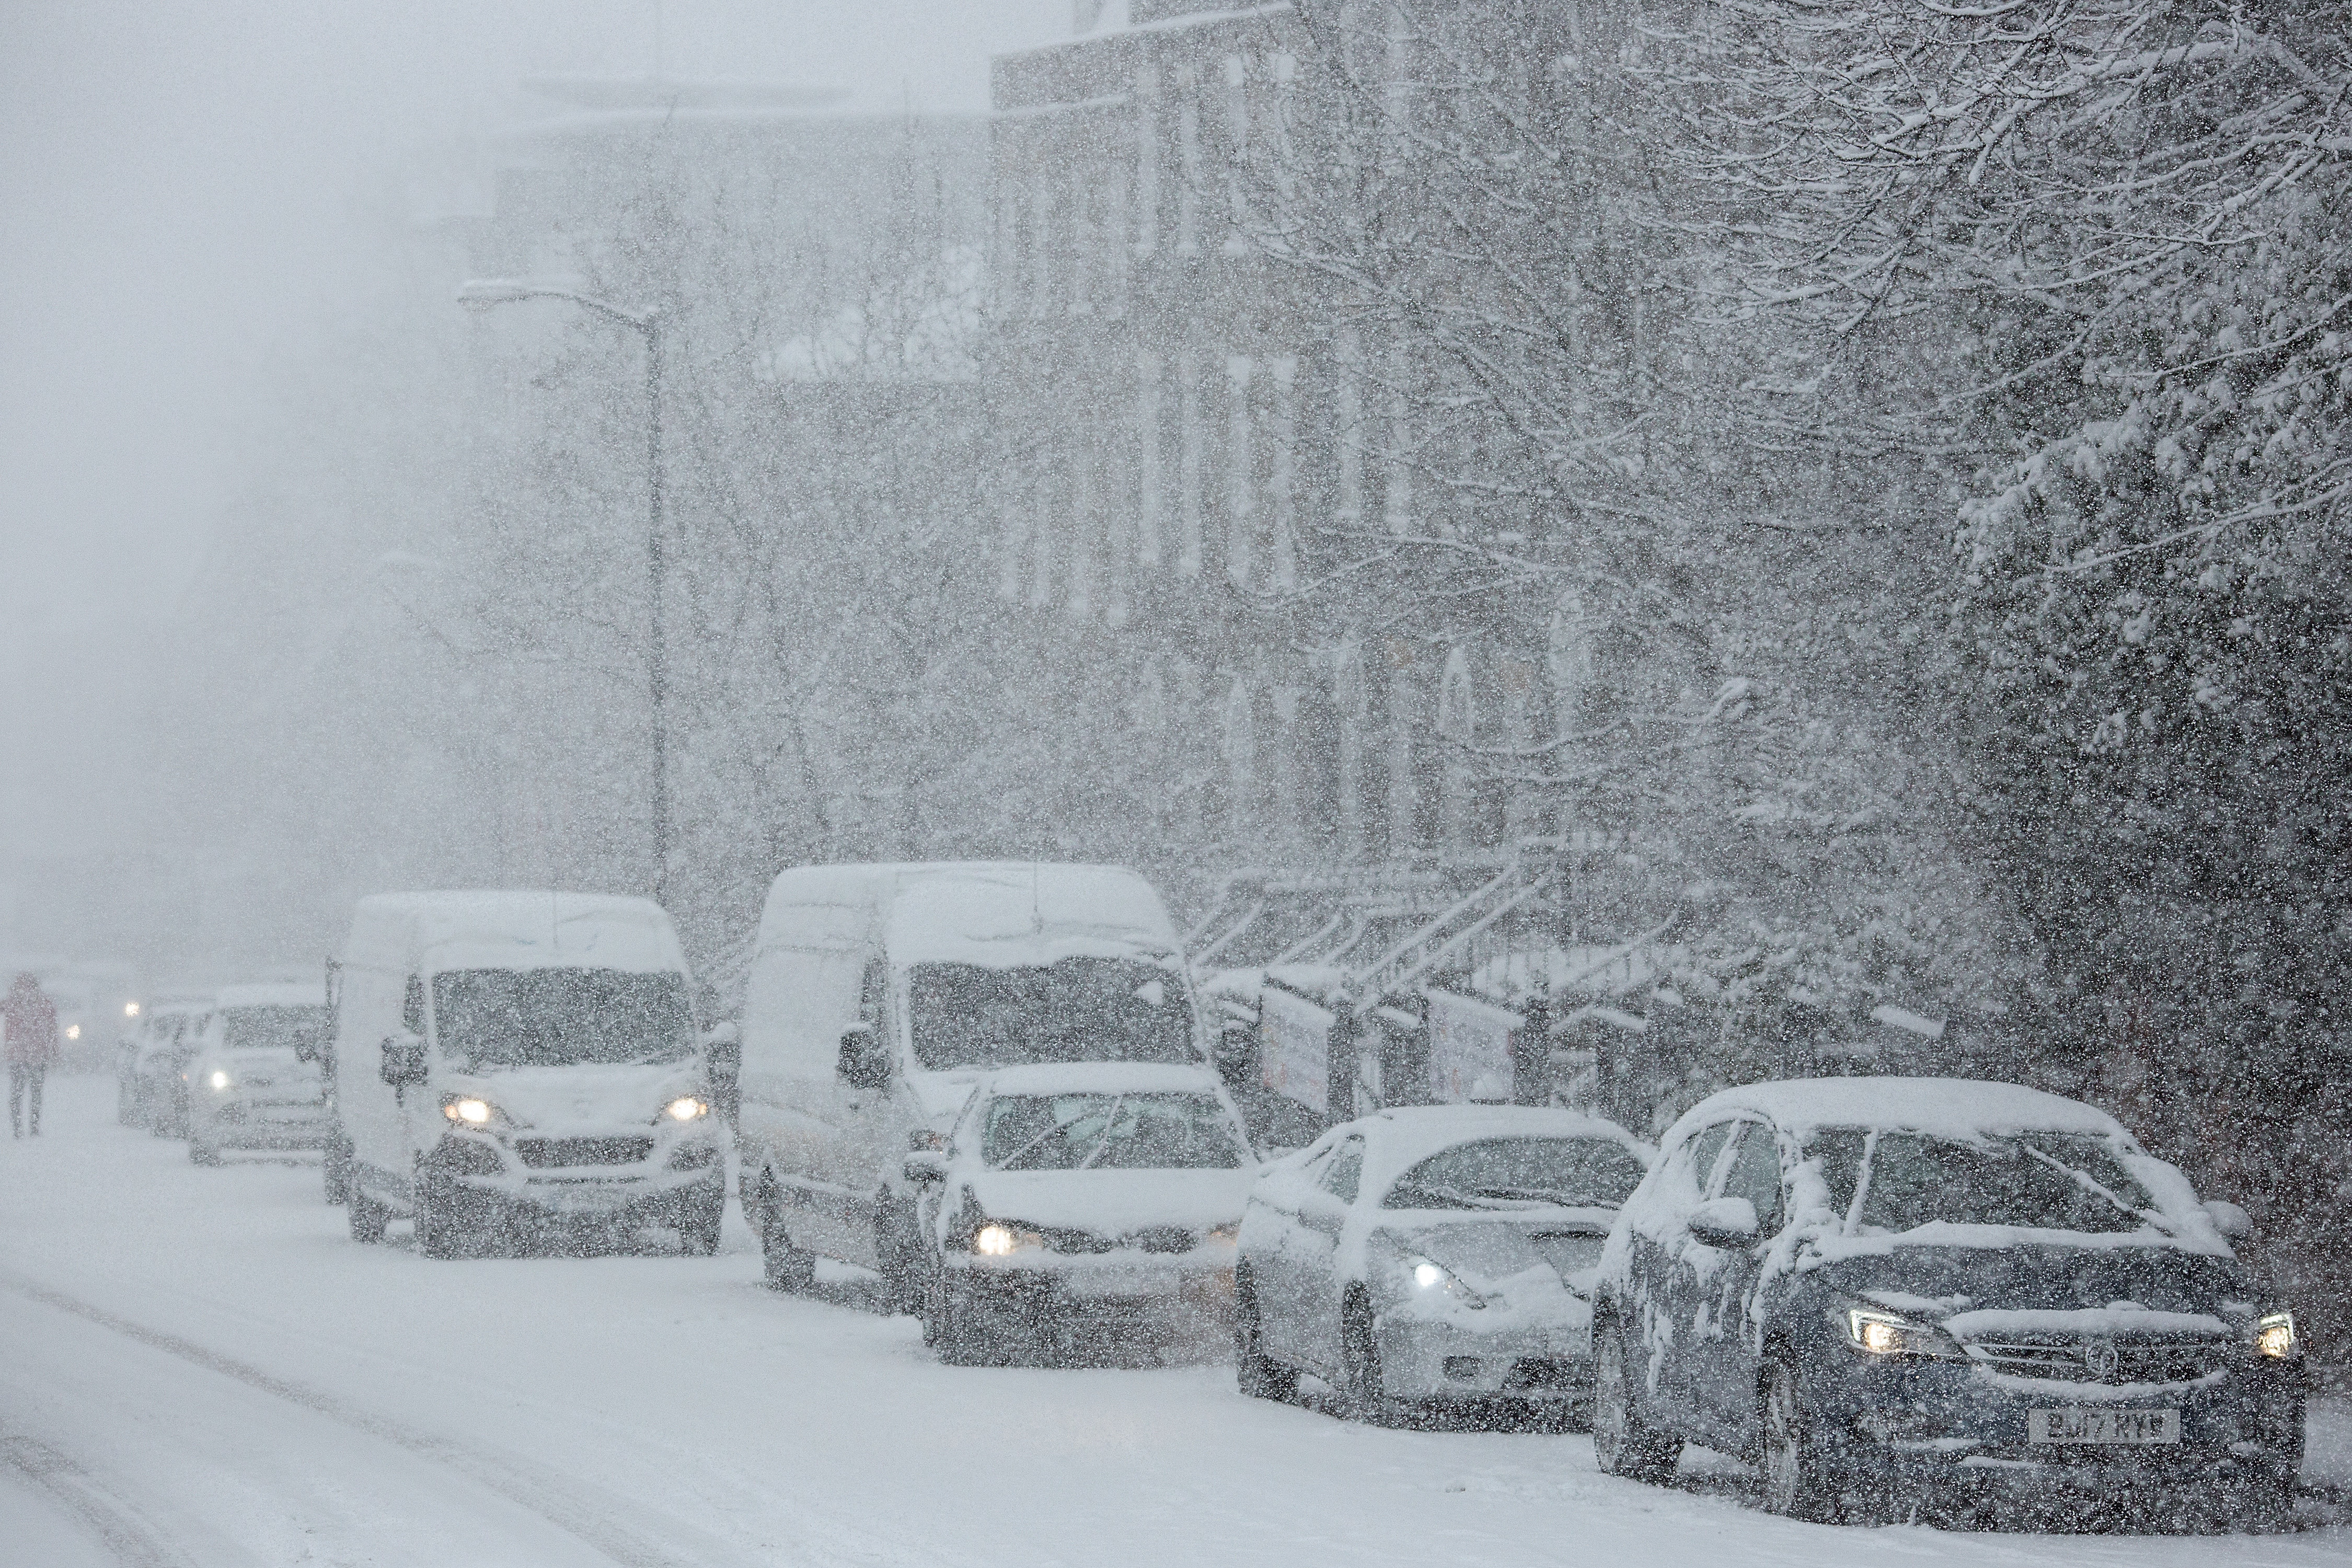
1723 1222
722 1051
403 1061
924 1169
863 1063
2232 1221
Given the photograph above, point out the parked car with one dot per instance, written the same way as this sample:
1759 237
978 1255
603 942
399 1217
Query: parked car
878 995
1893 1291
507 1062
254 1076
1434 1258
159 1067
1075 1199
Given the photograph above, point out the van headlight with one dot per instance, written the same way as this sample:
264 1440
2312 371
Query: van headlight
687 1107
997 1240
469 1110
219 1079
2274 1337
1879 1332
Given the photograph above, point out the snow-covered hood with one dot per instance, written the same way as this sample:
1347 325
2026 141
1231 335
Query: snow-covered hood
1114 1202
263 1069
1541 1263
587 1099
940 1096
1939 1283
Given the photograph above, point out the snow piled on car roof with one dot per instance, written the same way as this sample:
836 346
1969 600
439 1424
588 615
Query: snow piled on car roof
294 995
1399 1138
1941 1106
1102 1078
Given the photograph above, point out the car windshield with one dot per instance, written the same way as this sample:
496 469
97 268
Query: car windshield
2032 1181
1110 1132
489 1018
1078 1010
1520 1172
273 1028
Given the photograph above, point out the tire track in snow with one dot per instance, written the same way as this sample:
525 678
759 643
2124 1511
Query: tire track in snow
655 1541
128 1536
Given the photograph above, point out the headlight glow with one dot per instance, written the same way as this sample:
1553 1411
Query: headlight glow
2274 1336
1876 1332
1435 1276
73 1031
685 1108
131 1009
219 1079
995 1240
468 1112
1224 1232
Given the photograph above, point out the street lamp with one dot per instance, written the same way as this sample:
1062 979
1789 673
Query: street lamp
487 293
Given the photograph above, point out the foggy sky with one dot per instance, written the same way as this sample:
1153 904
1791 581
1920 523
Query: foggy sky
187 189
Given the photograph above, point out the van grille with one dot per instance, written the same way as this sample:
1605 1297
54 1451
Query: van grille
541 1153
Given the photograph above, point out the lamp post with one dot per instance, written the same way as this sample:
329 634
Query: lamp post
487 293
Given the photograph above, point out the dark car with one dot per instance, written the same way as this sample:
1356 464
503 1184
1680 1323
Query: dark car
1893 1292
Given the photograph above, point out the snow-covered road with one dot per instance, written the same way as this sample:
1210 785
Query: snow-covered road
202 1369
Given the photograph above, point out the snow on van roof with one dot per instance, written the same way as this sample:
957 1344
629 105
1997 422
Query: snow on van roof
1948 1107
1102 1078
298 996
512 928
1006 916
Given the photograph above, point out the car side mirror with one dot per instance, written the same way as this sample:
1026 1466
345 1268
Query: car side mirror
924 1170
306 1051
863 1063
403 1061
1723 1222
722 1051
2232 1221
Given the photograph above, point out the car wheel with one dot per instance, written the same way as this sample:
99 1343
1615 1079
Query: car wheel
335 1163
1624 1444
201 1152
786 1265
699 1224
1797 1479
450 1221
367 1217
949 1324
1258 1376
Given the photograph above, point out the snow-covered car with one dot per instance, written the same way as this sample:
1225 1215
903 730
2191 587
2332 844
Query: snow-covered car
1432 1255
159 1088
507 1062
1077 1198
253 1078
1894 1291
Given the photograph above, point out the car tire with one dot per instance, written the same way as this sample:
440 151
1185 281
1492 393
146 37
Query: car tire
699 1224
367 1217
1795 1478
335 1168
905 1283
1623 1442
1257 1374
444 1228
202 1150
948 1324
785 1264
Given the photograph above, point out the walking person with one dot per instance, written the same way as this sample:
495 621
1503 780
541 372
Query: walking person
30 1020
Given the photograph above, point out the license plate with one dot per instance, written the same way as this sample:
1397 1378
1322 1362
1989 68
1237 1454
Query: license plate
2133 1428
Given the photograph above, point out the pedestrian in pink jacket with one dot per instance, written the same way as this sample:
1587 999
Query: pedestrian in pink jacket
31 1022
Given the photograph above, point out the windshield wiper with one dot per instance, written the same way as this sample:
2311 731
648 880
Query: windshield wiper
2085 1179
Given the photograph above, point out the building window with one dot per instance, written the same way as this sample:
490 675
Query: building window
1112 242
1347 417
1147 160
1188 162
1281 471
1237 153
1241 754
1189 462
1149 522
1041 245
1082 245
1397 504
1241 491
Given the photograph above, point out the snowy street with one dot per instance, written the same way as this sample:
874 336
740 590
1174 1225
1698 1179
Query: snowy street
204 1369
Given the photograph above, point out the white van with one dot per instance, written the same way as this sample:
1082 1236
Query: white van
508 1059
253 1081
879 996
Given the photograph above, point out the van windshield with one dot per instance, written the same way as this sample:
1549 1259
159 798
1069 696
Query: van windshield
273 1028
1078 1010
489 1018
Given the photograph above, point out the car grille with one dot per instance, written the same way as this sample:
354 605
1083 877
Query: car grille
2086 1361
543 1152
1157 1238
1536 1374
1164 1238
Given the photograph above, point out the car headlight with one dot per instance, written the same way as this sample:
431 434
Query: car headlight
1879 1332
1223 1233
2274 1336
469 1110
997 1240
218 1080
687 1107
1432 1279
73 1031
